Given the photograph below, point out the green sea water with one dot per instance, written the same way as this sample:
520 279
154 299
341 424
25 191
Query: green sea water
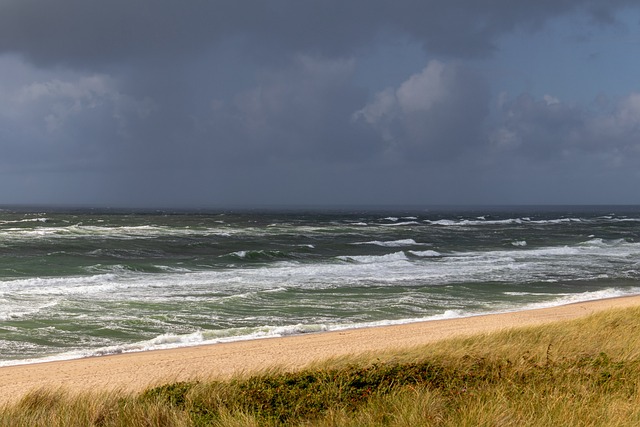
79 283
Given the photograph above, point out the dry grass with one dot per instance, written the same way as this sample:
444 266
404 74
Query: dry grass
584 372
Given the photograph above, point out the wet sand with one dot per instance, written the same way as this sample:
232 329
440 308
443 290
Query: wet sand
136 371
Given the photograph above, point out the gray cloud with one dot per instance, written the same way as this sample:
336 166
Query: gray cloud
548 128
71 123
434 114
254 102
300 112
82 33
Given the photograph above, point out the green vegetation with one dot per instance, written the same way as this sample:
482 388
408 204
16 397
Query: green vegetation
584 372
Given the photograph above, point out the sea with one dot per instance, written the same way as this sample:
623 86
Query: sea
78 283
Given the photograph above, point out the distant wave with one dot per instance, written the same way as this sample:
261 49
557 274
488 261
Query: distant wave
393 243
401 224
115 233
597 247
508 221
18 221
427 254
396 256
259 255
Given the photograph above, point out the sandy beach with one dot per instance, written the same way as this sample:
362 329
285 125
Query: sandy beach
136 371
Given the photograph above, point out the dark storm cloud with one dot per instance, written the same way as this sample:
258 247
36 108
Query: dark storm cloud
165 102
92 33
301 112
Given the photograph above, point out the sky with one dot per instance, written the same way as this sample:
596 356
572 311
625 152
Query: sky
158 103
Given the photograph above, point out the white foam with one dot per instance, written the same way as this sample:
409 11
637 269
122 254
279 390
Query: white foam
444 222
556 221
483 221
565 299
170 269
401 224
278 289
10 310
446 314
169 340
587 249
519 243
108 232
393 243
396 256
467 222
18 221
601 243
427 254
60 285
529 293
583 261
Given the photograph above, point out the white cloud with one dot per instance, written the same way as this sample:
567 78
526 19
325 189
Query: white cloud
84 89
57 102
383 104
60 120
550 100
419 93
551 129
64 99
628 112
504 139
435 112
422 91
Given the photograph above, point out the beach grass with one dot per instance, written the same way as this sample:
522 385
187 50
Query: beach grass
584 372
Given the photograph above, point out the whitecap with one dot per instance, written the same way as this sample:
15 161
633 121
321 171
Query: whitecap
392 243
12 311
517 294
426 254
467 222
400 224
170 269
396 256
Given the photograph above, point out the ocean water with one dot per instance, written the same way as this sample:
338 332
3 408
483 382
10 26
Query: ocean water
88 282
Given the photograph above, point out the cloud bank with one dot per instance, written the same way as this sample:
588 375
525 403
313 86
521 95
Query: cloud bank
155 103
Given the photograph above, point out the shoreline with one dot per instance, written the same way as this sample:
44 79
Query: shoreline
133 372
141 346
